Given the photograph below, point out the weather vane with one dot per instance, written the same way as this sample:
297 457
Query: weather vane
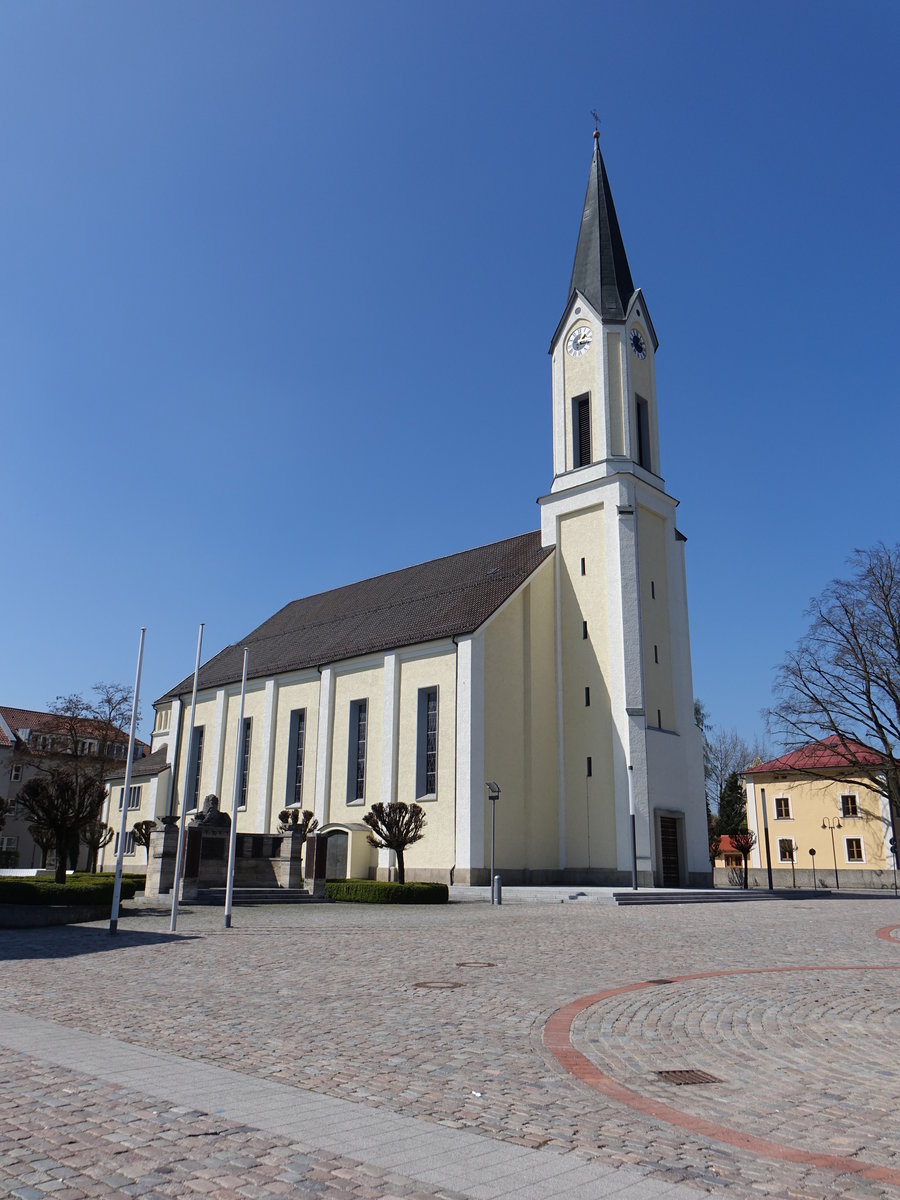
596 117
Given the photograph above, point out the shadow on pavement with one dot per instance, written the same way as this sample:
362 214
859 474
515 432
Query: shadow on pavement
70 941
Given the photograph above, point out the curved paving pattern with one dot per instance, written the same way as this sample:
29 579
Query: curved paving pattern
781 1039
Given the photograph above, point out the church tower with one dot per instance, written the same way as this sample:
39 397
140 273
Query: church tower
630 766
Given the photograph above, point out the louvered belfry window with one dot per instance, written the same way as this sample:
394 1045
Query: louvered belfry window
582 439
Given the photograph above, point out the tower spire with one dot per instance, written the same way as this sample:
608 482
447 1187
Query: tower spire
601 272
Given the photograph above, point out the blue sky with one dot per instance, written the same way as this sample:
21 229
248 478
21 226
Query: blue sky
278 282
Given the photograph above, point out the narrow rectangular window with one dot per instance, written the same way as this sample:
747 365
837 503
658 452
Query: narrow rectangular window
134 797
656 654
245 760
356 762
581 419
129 844
587 697
195 769
643 432
849 806
854 849
652 590
16 774
659 718
296 751
588 772
427 742
584 629
582 568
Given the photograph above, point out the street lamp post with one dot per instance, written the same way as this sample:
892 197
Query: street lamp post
833 823
812 859
493 796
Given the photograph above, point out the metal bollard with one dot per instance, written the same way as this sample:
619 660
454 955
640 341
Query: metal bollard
497 890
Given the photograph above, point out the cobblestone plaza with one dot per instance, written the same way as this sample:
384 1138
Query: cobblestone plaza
465 1051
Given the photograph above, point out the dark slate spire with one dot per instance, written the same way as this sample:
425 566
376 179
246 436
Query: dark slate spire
601 270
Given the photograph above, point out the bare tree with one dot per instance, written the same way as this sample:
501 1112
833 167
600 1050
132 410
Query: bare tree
95 836
842 682
61 807
744 841
297 820
71 755
142 831
395 826
725 753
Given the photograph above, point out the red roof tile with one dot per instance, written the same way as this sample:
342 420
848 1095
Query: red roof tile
831 754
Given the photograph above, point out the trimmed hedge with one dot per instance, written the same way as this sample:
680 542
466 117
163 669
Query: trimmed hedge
377 891
85 889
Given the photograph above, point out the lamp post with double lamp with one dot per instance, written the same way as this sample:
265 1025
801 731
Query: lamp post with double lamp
833 823
493 796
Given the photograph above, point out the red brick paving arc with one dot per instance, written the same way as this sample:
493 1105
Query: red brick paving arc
557 1039
888 934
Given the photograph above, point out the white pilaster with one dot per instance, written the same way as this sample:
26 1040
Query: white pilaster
560 715
175 732
218 746
470 794
389 729
267 755
323 746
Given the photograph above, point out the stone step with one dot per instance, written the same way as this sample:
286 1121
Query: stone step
244 896
714 897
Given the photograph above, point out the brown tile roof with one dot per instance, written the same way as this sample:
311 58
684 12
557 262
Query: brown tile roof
438 599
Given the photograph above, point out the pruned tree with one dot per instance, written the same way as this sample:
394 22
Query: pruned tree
142 831
743 841
62 807
394 827
843 680
297 820
43 838
95 836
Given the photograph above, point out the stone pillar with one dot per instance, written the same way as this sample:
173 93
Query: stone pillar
161 860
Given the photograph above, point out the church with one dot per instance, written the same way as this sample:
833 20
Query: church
555 664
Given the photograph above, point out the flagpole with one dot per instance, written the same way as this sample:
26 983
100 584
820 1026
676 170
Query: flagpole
236 795
117 887
187 762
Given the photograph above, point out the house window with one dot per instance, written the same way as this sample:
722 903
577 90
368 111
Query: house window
733 860
16 773
297 746
854 850
129 844
356 761
245 760
849 806
643 432
782 808
786 850
195 769
427 743
581 421
8 844
134 797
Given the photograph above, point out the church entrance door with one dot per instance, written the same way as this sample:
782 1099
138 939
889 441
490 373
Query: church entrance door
668 843
336 856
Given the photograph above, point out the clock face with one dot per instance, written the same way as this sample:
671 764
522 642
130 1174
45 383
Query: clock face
638 345
579 340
